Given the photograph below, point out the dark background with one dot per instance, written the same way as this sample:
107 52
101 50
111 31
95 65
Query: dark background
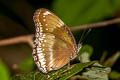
16 20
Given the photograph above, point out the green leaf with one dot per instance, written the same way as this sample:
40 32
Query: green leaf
4 73
76 69
61 74
80 12
27 65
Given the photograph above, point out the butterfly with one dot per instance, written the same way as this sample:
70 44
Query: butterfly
54 45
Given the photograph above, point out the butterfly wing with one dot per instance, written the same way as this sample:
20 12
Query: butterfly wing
54 45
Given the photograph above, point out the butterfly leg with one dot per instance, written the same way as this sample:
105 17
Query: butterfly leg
68 68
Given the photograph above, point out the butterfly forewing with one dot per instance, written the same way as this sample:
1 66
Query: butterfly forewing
54 44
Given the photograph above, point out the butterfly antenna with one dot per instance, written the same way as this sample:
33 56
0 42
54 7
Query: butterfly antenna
83 36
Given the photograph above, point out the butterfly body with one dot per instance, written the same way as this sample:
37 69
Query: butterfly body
54 44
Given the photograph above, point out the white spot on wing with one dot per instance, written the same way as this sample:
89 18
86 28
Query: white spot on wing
41 62
46 13
46 28
46 24
44 19
40 56
40 44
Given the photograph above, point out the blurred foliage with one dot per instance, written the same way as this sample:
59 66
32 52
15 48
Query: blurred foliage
4 72
27 65
111 60
86 48
115 75
81 12
97 72
85 53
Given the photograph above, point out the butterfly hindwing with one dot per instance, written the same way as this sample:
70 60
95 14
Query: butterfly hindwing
54 45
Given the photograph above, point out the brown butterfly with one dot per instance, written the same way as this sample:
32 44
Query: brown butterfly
54 44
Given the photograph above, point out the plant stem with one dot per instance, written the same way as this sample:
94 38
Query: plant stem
96 25
29 38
